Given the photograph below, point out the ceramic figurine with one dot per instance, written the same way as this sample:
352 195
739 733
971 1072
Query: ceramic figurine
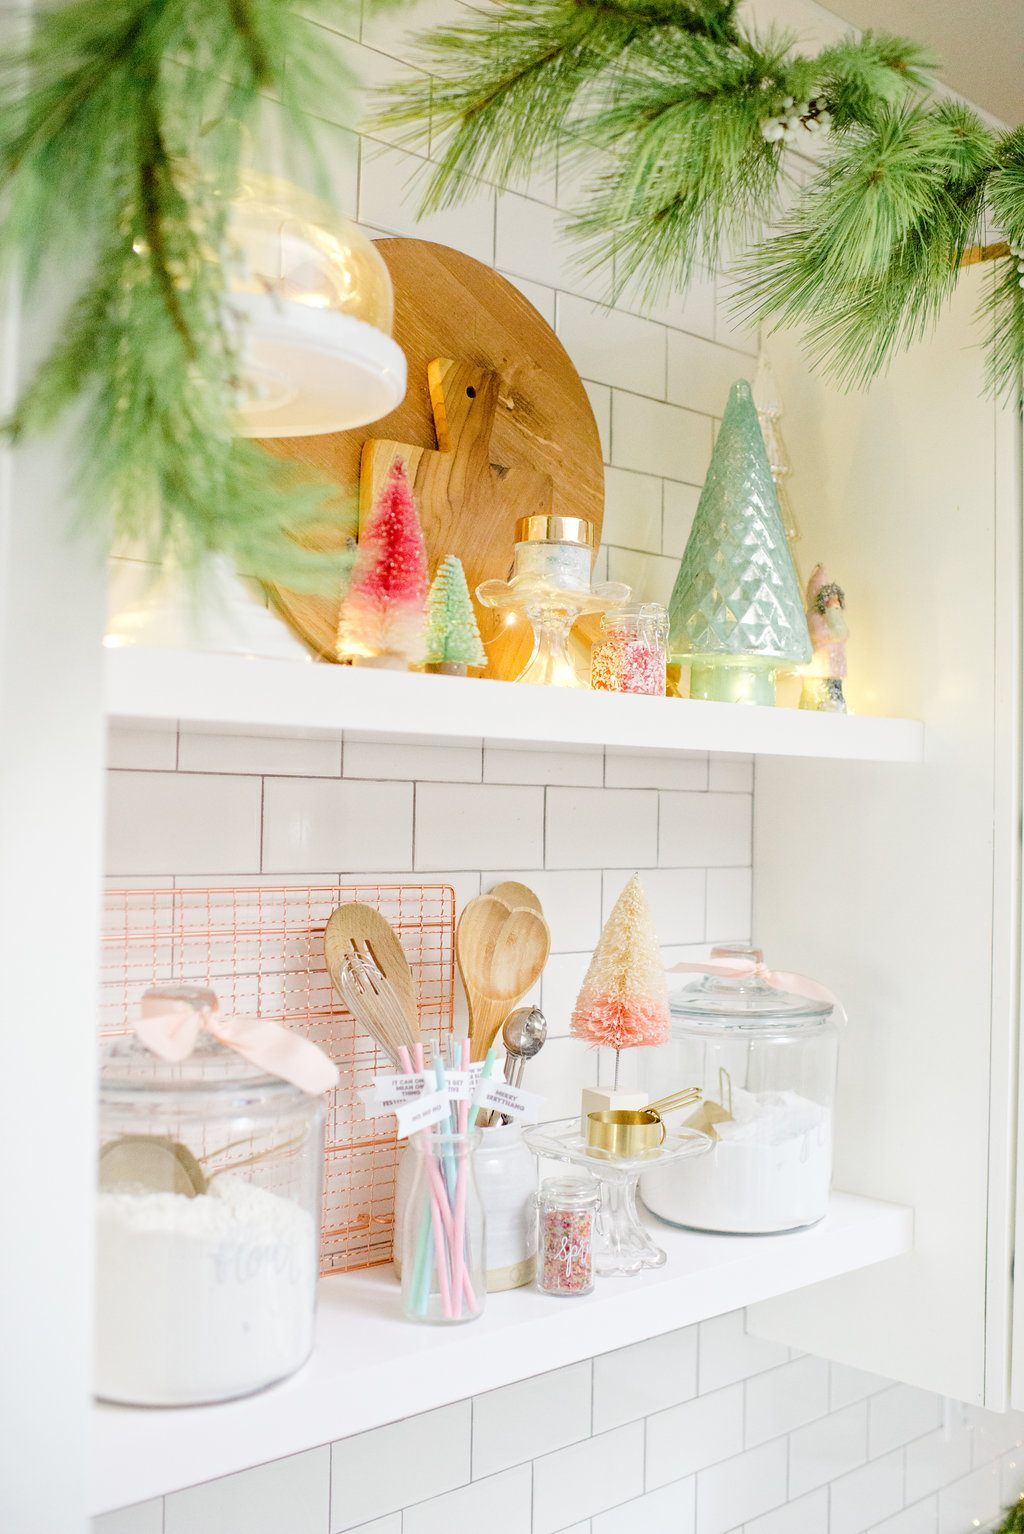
826 623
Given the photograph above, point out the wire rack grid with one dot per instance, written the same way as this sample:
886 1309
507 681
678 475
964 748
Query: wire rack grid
260 949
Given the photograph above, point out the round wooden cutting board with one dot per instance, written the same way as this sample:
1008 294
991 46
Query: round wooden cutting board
449 306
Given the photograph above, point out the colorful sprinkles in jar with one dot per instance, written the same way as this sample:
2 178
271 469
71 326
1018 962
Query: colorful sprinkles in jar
633 656
568 1208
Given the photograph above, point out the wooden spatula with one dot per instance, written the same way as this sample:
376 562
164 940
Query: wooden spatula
362 923
501 954
514 894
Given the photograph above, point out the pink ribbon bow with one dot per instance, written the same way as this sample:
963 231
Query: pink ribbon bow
276 1050
779 979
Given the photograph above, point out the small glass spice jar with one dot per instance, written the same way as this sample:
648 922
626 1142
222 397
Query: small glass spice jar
633 655
567 1211
556 551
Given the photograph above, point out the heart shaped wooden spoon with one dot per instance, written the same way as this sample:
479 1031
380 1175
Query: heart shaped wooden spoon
500 954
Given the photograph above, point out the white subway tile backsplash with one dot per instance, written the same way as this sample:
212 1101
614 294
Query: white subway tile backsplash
700 374
650 1376
728 905
542 299
533 1417
202 750
531 243
290 1494
935 1460
730 773
860 1500
898 1415
922 1518
501 1504
317 823
659 439
392 1524
665 769
576 1482
804 1515
169 823
675 896
395 33
693 1435
828 1448
571 900
649 577
378 1472
478 825
431 761
728 1353
741 1488
560 984
563 1067
679 508
973 1502
705 830
994 1432
632 511
593 828
583 765
1011 1476
612 347
391 184
667 1511
785 1398
140 1518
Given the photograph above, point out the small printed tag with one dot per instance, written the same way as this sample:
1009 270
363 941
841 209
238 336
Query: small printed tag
421 1113
463 1084
513 1101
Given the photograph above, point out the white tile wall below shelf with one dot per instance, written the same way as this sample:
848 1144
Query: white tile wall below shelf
371 1366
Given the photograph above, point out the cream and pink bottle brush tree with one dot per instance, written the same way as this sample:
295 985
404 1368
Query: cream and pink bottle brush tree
623 1002
384 611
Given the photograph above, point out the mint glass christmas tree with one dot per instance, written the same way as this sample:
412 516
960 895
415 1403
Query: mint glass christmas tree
453 639
736 616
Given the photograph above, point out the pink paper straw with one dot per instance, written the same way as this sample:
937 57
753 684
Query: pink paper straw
460 1277
438 1204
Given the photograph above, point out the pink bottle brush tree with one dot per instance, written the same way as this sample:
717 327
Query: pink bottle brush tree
623 1002
383 612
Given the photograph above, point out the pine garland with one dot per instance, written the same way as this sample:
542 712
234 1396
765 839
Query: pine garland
684 116
120 142
1013 1523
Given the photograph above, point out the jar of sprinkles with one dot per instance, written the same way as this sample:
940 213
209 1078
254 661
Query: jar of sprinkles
567 1209
632 656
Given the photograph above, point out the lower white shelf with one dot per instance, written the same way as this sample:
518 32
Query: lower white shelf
371 1366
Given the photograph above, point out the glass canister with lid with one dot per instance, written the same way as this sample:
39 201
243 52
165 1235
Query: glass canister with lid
208 1239
765 1059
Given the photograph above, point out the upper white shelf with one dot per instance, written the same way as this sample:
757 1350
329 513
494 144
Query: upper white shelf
282 695
371 1367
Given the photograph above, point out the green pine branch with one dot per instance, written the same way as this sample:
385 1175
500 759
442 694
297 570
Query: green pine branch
121 131
1013 1523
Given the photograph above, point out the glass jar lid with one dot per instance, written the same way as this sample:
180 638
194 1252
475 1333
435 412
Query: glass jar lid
745 1002
569 1192
128 1068
546 529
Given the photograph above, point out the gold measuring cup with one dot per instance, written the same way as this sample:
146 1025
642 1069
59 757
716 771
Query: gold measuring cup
625 1132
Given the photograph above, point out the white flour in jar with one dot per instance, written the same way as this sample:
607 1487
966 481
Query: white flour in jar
200 1299
770 1169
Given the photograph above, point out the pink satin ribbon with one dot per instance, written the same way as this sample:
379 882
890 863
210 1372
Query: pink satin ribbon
779 979
276 1050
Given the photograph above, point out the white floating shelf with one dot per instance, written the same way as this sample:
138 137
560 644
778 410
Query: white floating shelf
371 1367
296 698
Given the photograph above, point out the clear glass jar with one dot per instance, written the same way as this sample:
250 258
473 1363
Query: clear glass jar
766 1061
567 1209
554 551
208 1240
444 1273
633 656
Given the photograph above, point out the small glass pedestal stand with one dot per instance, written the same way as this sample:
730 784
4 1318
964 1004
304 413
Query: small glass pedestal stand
621 1246
552 610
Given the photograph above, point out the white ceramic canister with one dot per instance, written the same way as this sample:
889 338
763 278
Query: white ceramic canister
506 1175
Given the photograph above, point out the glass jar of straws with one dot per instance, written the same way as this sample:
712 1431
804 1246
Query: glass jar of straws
444 1271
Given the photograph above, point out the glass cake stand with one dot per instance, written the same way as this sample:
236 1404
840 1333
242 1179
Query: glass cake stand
621 1245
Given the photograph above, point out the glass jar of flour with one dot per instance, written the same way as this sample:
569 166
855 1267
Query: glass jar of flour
210 1181
765 1060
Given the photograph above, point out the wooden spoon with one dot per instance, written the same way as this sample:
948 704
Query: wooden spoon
501 954
513 894
364 924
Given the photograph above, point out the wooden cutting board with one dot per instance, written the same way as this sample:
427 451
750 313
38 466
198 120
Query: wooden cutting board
495 425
